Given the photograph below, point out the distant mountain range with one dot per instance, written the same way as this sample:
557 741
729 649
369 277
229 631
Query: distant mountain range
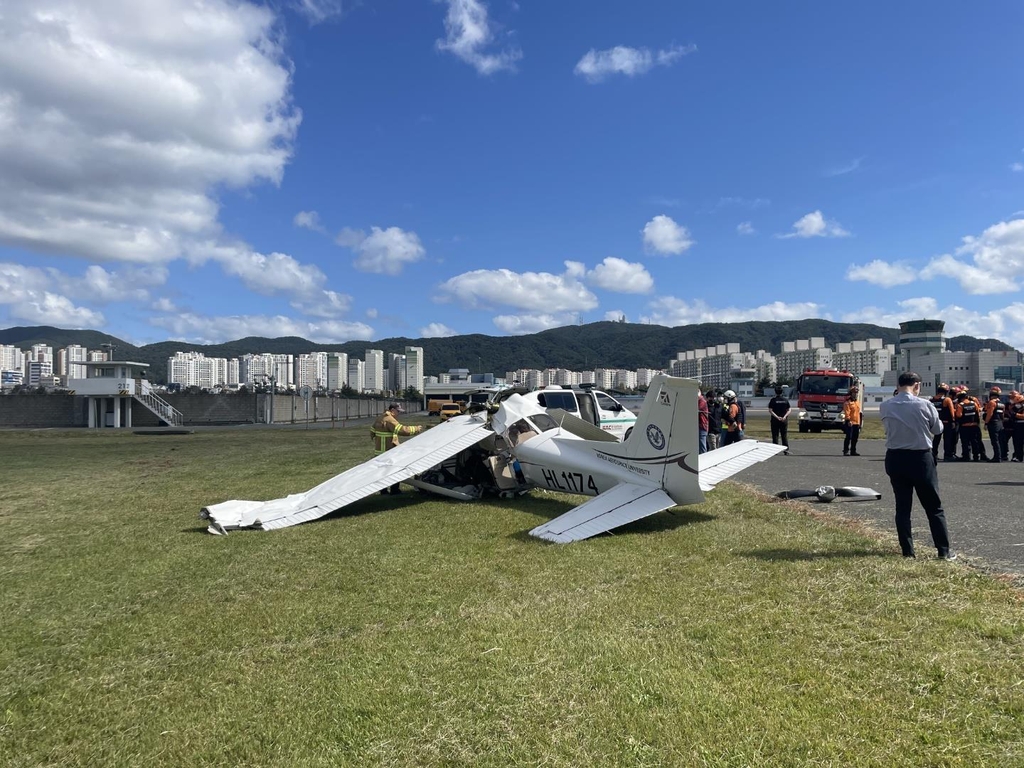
576 347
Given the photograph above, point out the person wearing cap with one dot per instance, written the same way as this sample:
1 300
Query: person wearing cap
968 417
778 413
910 421
385 433
993 418
947 415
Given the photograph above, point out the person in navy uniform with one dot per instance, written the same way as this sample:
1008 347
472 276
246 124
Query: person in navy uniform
778 412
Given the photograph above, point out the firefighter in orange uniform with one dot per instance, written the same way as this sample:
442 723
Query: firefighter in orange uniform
993 417
1016 410
732 419
851 423
385 433
968 416
1007 433
947 415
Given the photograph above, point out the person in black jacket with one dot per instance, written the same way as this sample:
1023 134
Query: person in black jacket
778 412
715 402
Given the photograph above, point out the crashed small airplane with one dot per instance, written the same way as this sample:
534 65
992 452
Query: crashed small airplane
520 446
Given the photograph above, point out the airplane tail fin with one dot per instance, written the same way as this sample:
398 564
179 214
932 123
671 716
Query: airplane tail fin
665 437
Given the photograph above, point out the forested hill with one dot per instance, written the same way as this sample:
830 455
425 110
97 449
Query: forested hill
582 347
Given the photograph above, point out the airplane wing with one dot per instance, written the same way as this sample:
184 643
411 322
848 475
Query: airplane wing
417 454
620 505
721 463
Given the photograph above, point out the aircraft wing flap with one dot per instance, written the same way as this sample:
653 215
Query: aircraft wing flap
622 504
417 454
722 463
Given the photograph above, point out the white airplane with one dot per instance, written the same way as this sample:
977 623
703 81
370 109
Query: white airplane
523 446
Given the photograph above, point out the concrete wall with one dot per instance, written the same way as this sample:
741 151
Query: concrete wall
198 410
42 411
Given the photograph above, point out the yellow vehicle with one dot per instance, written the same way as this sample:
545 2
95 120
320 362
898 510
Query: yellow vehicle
450 409
434 407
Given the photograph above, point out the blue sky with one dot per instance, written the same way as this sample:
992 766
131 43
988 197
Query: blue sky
337 170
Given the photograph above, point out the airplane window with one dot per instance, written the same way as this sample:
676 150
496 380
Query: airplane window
543 422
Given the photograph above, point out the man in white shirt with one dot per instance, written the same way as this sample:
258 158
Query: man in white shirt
910 423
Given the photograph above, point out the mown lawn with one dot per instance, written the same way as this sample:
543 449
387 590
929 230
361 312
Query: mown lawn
412 631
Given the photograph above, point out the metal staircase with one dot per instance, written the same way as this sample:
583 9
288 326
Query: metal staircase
163 410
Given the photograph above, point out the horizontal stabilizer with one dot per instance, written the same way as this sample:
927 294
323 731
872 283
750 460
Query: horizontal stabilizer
417 454
722 463
620 505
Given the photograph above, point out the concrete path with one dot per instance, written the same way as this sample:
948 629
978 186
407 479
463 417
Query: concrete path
984 503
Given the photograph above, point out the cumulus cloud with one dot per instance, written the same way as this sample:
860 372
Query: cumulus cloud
383 251
596 65
1017 167
670 311
540 292
1005 323
615 316
436 331
114 125
318 11
996 260
201 329
25 292
469 35
662 235
309 220
816 225
882 273
745 228
621 276
518 325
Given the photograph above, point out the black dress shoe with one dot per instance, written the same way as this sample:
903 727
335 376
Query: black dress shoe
854 453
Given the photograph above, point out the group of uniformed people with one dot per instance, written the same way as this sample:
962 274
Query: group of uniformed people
963 417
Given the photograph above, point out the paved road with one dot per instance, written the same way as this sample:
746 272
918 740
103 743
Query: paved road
984 502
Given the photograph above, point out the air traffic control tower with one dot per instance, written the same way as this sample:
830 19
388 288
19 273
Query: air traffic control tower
922 348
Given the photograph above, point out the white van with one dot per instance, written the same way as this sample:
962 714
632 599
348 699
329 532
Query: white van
591 405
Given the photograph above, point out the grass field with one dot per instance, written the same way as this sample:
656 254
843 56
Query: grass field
412 631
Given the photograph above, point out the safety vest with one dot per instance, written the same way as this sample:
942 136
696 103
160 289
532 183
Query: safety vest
995 414
969 412
385 432
939 401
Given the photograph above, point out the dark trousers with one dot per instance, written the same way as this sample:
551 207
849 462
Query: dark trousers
852 435
1004 441
1018 441
948 438
914 472
731 437
995 437
780 431
970 442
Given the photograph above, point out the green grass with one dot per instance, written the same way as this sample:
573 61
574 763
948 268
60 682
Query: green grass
412 631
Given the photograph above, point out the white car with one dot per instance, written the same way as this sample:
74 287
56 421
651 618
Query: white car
591 405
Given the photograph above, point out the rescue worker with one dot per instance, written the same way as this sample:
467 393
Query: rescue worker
1007 433
993 418
851 423
968 417
947 415
714 419
702 423
732 419
778 413
1017 417
385 433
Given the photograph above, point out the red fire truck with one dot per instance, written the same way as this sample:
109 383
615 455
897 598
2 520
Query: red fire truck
820 398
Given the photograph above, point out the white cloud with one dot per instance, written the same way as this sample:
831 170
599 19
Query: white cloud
436 331
201 329
371 313
309 220
745 228
816 225
323 304
1005 323
269 274
533 291
383 251
998 260
518 325
1017 167
318 11
25 292
670 311
115 124
596 65
662 235
468 34
842 170
882 273
615 316
164 304
620 276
